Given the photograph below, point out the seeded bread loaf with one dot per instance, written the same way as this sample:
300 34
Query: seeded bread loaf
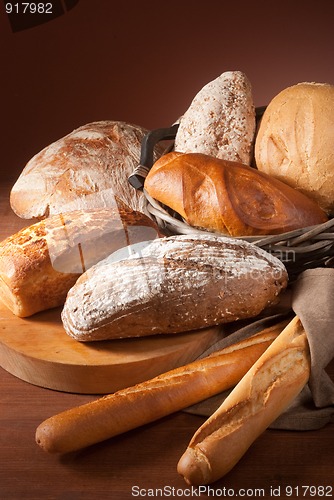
220 121
172 285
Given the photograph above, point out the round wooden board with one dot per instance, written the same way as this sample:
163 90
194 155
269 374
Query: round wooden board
38 350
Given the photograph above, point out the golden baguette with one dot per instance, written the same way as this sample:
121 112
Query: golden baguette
257 400
148 401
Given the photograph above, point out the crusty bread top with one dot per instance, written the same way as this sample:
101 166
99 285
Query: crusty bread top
87 168
40 263
172 285
295 141
58 238
264 392
229 197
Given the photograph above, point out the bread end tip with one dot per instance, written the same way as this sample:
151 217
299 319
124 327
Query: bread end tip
194 470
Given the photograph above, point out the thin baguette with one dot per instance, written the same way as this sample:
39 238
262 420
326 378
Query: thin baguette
258 399
167 393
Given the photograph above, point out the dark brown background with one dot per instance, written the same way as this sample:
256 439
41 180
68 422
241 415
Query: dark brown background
143 62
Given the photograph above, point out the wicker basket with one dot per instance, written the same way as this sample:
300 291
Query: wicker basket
299 250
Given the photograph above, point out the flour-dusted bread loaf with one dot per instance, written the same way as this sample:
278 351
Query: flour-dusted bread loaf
172 285
220 120
39 264
88 168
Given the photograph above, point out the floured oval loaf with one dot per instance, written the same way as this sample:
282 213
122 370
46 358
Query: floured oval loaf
172 285
86 169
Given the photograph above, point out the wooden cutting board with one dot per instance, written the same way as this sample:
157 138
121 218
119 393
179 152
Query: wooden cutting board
38 350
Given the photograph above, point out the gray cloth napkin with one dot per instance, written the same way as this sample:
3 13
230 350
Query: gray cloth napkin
313 301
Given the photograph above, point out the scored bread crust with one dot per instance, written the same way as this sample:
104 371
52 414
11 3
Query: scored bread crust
265 391
295 141
229 197
40 263
172 285
88 168
152 399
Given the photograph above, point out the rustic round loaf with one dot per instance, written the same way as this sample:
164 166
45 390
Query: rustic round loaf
171 285
295 141
88 168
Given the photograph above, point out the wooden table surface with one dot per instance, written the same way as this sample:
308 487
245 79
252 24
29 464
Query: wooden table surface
142 463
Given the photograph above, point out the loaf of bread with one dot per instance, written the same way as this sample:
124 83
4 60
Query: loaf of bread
172 285
167 393
40 263
220 120
295 141
266 390
88 168
229 197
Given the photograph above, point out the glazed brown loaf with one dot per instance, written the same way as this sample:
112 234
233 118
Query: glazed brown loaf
173 285
86 169
39 264
229 197
257 400
129 408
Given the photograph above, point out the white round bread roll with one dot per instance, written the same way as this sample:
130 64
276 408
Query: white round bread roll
88 168
295 141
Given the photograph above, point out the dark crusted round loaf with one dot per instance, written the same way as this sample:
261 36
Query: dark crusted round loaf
172 285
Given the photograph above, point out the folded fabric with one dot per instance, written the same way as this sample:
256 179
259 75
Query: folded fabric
312 300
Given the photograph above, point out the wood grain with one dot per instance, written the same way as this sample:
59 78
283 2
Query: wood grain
38 350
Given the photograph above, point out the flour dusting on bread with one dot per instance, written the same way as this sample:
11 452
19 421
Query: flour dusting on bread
172 285
220 120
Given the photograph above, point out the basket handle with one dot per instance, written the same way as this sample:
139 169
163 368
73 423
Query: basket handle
137 178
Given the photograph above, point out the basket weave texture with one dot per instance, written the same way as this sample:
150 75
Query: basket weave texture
299 250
